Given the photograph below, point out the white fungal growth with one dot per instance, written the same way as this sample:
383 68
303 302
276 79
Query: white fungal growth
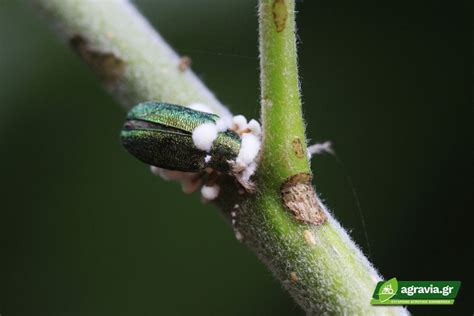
210 192
204 135
254 127
239 123
200 107
223 124
245 164
249 149
320 148
247 172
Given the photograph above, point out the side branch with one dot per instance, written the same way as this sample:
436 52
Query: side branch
285 223
284 148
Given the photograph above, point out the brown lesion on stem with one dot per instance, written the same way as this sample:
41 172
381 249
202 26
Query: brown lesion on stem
106 65
298 196
280 14
294 277
297 147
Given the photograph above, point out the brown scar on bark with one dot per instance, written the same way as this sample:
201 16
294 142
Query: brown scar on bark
299 197
106 65
294 278
184 63
297 147
309 237
280 14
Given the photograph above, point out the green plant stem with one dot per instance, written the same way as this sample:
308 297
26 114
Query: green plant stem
133 61
283 125
326 273
319 265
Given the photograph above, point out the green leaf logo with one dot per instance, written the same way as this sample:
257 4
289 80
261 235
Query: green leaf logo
388 290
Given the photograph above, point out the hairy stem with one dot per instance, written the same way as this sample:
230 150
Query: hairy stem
312 255
132 60
308 252
283 126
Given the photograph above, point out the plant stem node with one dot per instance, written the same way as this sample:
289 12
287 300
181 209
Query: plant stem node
299 197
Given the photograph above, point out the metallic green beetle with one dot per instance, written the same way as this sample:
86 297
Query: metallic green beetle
160 134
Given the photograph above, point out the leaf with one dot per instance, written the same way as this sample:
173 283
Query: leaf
388 290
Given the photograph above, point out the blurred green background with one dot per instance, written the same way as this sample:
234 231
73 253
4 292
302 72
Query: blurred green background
85 229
